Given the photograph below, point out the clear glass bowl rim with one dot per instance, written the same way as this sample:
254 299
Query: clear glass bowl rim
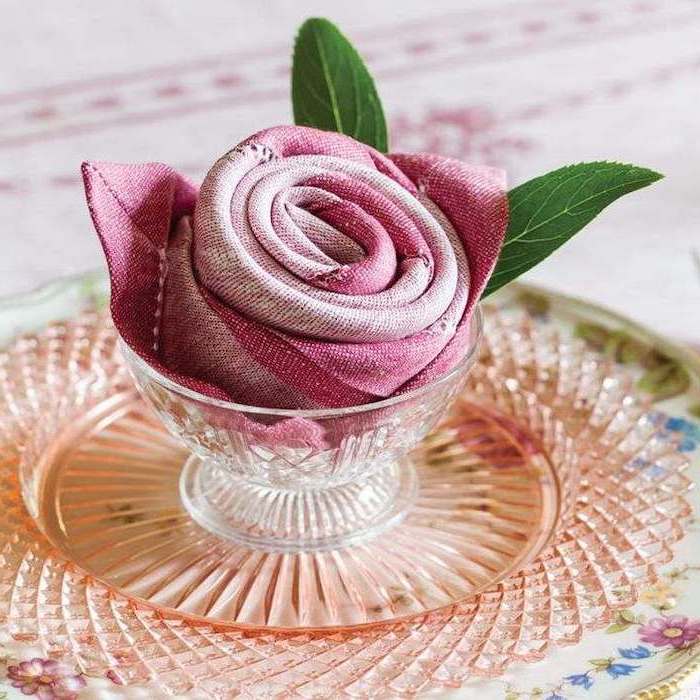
476 327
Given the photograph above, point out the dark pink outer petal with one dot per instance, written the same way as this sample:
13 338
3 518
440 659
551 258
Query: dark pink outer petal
132 207
288 141
474 199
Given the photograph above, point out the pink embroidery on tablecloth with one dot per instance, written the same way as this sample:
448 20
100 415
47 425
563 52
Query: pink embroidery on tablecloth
467 133
436 46
472 132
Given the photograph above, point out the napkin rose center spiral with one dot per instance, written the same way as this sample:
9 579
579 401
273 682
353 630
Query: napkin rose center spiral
326 248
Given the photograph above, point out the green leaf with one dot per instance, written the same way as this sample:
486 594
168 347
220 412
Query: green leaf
630 351
623 620
694 410
665 381
595 336
600 664
535 304
547 211
617 627
620 346
627 616
331 87
655 358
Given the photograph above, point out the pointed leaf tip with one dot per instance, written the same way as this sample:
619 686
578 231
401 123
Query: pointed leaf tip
546 212
332 88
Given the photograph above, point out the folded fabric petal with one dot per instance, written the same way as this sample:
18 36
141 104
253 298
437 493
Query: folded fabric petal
309 271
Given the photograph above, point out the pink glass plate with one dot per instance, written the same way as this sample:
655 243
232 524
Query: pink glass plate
619 518
109 501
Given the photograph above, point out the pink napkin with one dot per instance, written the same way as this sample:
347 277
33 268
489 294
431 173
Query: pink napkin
309 271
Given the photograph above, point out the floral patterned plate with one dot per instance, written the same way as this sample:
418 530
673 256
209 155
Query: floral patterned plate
648 651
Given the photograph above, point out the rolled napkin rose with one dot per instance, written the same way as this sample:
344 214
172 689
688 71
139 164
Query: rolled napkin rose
309 271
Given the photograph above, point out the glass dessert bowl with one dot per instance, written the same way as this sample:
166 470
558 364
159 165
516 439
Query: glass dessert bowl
253 531
299 480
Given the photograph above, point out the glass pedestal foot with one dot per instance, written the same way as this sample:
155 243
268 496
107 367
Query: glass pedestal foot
296 520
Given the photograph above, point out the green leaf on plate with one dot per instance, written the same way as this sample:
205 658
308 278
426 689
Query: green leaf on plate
665 381
592 334
629 351
547 211
628 616
617 627
535 304
332 88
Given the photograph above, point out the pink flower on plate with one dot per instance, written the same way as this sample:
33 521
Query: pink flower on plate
46 679
676 630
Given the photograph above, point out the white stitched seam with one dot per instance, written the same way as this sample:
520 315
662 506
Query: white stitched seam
159 298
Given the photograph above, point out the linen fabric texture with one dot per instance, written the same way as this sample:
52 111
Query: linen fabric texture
308 271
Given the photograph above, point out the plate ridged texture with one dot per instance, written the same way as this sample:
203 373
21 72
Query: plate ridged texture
486 505
620 519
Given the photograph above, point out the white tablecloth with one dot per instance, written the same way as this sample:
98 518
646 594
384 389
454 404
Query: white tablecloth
527 85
